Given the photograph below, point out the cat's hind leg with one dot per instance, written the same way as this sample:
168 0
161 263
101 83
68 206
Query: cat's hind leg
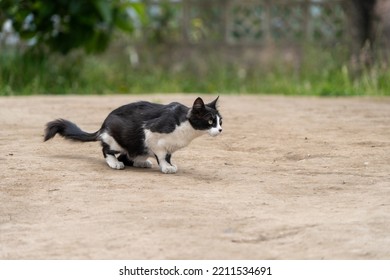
142 162
110 157
113 162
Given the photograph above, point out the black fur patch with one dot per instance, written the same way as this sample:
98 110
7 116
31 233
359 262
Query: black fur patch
126 161
168 158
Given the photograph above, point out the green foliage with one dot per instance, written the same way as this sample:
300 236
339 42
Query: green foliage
64 25
320 74
161 24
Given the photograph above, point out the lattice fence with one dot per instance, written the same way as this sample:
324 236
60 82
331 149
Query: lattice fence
236 22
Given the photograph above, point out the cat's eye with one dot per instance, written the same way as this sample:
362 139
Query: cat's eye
210 122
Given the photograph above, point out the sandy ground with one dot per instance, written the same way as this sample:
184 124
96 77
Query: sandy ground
289 178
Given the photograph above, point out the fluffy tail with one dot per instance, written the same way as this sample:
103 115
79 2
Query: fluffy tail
68 130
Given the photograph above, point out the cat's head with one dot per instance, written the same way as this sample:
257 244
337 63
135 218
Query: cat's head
206 117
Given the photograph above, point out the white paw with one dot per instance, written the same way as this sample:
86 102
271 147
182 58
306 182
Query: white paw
114 163
168 169
143 164
117 165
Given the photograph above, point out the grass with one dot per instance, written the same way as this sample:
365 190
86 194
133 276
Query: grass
320 74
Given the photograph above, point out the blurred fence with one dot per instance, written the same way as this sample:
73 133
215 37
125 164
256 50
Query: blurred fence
245 31
249 22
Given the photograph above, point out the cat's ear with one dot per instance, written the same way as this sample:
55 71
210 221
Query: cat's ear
198 104
213 104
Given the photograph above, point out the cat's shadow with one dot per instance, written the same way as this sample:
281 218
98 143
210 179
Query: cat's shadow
101 166
191 174
85 158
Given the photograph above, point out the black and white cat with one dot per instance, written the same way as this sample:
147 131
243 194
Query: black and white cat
140 130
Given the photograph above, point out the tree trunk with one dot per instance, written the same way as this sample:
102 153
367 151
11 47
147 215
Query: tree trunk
363 22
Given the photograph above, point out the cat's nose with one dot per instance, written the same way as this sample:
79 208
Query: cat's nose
220 130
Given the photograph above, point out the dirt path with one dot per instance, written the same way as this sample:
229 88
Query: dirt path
289 178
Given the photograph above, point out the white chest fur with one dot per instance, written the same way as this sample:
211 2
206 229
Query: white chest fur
171 142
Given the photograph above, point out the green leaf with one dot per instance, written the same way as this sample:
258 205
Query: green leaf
123 22
105 10
140 10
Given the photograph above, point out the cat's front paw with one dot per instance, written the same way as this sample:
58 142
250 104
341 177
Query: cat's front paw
169 169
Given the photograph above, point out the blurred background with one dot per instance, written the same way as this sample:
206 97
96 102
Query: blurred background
299 47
